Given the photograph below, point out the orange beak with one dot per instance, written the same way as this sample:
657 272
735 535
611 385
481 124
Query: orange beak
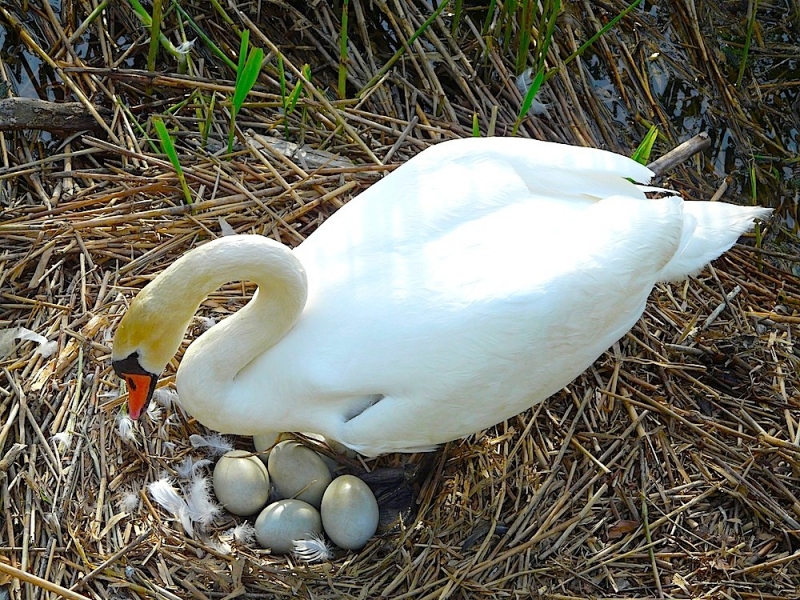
141 384
140 391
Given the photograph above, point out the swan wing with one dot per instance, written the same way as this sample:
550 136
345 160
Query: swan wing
475 281
463 181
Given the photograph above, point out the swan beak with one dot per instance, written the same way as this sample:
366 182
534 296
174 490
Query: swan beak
141 384
140 391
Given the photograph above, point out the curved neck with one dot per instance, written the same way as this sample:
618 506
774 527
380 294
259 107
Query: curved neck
216 357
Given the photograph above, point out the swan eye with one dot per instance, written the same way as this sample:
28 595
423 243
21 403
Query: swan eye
128 365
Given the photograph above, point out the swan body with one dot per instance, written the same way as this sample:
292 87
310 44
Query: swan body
473 282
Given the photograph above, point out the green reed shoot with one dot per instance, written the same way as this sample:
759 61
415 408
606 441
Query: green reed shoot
147 21
215 50
547 24
476 126
456 20
282 80
508 11
608 27
205 116
221 12
748 40
168 147
489 17
291 101
528 100
754 199
155 32
284 99
343 52
246 76
642 153
396 56
525 26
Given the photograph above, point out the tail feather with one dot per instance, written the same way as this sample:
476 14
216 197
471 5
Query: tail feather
710 228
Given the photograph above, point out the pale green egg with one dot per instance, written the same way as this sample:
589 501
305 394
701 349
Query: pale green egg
241 483
283 522
263 442
349 512
298 472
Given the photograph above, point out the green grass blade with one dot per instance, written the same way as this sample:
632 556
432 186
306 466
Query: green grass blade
343 53
456 19
549 29
306 73
221 12
476 127
147 21
489 17
141 12
204 121
246 77
751 23
168 147
282 81
243 45
396 56
600 33
155 34
754 198
642 153
215 50
291 101
525 27
508 10
528 100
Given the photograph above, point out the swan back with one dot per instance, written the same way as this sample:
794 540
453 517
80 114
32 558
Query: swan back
471 283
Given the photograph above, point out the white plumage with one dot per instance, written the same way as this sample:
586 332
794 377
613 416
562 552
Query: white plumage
473 282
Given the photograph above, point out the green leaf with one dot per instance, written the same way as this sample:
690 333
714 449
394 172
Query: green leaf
528 100
204 36
291 102
246 77
243 45
642 153
607 27
343 53
168 148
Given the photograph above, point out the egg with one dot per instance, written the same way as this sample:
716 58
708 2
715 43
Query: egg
263 442
283 522
298 472
349 512
241 483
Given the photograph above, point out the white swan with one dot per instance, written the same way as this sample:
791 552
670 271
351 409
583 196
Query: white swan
473 282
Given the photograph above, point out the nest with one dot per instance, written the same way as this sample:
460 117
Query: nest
670 468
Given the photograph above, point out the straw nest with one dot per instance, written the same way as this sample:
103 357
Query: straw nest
670 468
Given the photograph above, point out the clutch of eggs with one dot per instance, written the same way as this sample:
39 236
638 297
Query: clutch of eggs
310 500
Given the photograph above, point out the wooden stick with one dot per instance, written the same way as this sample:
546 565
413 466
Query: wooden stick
39 582
680 154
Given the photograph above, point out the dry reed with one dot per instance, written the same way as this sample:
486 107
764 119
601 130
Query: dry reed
669 469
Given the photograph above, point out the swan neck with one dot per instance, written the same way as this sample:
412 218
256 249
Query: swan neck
225 349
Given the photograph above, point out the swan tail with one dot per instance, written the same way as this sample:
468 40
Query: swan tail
709 229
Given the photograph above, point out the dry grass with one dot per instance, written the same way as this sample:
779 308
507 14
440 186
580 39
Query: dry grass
669 469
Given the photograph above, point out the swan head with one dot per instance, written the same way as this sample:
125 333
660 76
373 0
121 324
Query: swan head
146 339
